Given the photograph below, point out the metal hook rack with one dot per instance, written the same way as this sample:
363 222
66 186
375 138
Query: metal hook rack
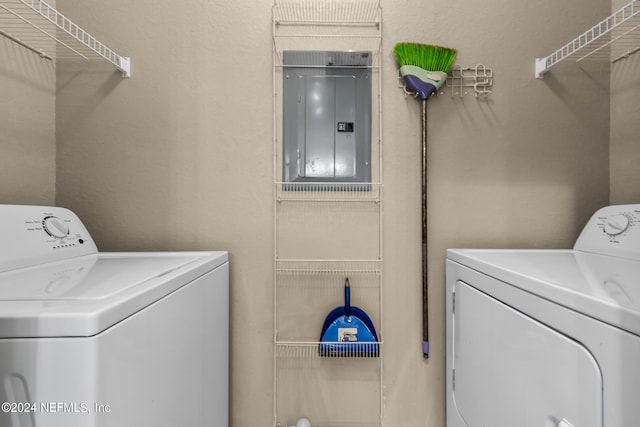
480 78
403 86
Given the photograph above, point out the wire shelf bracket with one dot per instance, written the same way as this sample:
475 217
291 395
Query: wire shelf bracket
39 27
612 39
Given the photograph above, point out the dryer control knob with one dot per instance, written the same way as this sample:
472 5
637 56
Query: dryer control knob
616 224
55 227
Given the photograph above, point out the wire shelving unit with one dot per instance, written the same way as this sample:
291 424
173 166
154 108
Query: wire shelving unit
42 29
612 39
325 232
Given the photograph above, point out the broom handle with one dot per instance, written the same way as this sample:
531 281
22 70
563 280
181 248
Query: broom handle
347 298
425 281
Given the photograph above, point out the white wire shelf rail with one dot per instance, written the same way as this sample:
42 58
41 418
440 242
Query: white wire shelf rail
346 12
612 39
328 267
328 192
40 28
311 349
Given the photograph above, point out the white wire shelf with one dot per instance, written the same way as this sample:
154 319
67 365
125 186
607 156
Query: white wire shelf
312 350
612 39
333 25
321 267
40 28
309 289
328 191
332 12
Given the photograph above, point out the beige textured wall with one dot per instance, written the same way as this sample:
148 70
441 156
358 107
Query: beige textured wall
27 126
179 157
625 128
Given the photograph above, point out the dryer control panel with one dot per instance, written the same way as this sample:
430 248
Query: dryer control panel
34 235
612 230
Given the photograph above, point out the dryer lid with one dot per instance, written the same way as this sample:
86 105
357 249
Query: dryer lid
602 287
85 295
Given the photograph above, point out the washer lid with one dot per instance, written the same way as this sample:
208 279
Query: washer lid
602 287
85 295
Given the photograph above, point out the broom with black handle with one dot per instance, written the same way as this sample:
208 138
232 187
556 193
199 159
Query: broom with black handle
424 69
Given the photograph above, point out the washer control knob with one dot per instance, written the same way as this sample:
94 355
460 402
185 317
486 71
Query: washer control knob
616 224
55 227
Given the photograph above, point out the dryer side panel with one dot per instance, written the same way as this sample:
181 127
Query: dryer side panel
511 370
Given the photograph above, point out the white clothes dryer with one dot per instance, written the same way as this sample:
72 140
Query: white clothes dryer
547 338
98 339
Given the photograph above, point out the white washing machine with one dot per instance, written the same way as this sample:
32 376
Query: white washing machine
547 338
91 339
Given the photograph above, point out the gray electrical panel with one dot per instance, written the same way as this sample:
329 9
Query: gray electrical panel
326 116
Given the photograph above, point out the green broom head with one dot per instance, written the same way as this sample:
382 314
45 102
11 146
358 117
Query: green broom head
424 67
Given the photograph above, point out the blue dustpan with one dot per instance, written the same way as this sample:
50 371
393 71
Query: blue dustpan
348 332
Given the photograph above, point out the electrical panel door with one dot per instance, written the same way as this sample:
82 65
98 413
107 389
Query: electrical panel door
326 117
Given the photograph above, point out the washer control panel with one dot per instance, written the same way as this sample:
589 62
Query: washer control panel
613 230
39 234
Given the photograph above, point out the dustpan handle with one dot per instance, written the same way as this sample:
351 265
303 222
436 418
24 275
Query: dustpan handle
347 298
